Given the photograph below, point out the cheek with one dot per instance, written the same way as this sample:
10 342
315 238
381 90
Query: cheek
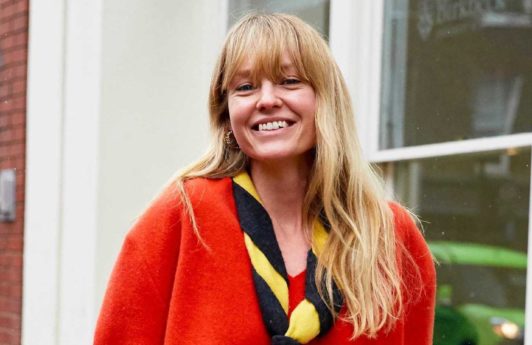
238 121
237 112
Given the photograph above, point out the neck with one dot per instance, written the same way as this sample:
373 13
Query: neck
282 186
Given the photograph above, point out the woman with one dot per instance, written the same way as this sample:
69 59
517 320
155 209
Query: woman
281 234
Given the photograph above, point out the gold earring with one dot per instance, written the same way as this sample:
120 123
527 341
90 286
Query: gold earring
230 140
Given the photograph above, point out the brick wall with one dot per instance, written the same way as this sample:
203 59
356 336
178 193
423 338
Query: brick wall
13 63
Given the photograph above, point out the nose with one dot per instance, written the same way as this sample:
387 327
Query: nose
268 98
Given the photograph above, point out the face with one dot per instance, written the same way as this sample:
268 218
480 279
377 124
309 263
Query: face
272 119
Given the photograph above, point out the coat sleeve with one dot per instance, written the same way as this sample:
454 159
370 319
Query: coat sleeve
135 306
419 279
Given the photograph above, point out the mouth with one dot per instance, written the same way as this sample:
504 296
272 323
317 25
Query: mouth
272 126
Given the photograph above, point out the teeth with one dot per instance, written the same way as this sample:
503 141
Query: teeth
272 125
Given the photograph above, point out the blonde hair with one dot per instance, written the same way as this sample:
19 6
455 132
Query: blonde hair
360 253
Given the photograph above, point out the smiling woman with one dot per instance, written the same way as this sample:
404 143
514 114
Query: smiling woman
272 119
281 233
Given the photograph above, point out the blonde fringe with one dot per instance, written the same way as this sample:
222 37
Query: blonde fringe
360 255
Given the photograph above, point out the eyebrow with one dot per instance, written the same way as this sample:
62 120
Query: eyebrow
242 73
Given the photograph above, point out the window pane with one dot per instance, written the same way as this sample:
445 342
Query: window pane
314 12
474 210
455 69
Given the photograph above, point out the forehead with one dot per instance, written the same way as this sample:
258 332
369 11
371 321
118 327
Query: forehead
252 65
257 66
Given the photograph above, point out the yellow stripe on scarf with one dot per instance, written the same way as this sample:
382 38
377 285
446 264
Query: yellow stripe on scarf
319 237
304 323
264 269
244 181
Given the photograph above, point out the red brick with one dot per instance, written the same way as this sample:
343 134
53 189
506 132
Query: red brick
9 336
7 41
4 91
19 133
5 27
3 229
19 193
11 275
19 118
4 119
10 305
17 96
20 70
16 292
6 163
19 54
8 57
6 136
19 86
19 104
8 11
13 290
20 38
21 6
17 149
9 321
7 74
6 336
5 289
3 34
12 260
20 22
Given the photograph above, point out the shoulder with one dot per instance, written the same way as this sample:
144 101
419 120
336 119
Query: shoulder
418 275
206 190
167 207
211 200
160 228
406 229
159 218
417 260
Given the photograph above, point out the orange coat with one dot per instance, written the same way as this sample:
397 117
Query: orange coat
167 288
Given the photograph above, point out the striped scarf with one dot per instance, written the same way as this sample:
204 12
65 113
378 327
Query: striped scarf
311 317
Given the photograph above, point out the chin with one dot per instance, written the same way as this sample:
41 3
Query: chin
277 155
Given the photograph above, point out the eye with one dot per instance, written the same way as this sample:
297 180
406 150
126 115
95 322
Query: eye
244 87
290 81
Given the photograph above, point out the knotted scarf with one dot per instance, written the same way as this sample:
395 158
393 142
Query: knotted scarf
311 317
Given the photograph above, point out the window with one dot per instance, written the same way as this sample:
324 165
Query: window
314 12
474 209
455 74
455 70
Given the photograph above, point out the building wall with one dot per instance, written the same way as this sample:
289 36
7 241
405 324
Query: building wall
153 114
13 57
117 103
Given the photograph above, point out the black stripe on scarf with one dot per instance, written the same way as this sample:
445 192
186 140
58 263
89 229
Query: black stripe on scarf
311 293
256 222
273 315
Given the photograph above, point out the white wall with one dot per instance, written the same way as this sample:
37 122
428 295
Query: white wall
156 65
117 101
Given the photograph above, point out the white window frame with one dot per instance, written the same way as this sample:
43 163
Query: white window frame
356 39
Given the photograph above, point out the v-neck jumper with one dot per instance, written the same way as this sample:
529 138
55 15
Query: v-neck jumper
169 288
296 290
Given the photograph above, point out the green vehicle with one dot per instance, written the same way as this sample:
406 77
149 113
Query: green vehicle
481 294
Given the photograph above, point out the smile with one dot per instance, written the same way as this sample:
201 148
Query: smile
271 126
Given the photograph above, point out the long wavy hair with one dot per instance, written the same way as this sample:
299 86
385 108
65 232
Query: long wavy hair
360 255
